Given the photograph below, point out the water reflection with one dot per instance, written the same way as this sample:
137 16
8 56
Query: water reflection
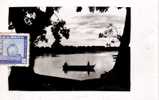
53 66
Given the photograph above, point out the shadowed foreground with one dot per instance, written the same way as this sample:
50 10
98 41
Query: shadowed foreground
118 79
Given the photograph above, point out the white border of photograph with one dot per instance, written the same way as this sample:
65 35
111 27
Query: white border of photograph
144 53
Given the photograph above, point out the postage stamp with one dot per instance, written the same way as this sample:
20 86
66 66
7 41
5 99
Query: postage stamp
14 49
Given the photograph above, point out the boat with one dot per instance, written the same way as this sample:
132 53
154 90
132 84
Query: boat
89 68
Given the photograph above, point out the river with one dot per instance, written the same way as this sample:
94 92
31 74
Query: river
53 66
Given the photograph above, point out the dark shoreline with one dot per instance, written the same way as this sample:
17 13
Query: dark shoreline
71 50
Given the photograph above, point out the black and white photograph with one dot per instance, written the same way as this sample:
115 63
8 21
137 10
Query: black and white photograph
75 48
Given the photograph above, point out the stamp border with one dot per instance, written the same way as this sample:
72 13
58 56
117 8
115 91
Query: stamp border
26 45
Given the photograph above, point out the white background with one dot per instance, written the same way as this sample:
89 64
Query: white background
144 52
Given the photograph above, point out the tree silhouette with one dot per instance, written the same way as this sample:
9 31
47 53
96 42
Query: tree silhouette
100 9
58 29
120 74
100 35
32 20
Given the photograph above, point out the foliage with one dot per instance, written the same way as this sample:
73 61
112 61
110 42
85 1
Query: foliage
32 20
58 29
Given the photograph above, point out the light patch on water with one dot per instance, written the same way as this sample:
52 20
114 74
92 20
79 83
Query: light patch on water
53 66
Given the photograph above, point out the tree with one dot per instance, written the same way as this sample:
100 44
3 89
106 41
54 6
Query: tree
58 29
120 74
100 35
31 20
100 9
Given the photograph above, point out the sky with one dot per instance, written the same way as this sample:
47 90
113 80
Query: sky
85 26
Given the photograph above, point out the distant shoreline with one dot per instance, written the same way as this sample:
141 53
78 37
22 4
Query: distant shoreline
71 50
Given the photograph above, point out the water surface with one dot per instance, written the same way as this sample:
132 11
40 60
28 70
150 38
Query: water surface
53 66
